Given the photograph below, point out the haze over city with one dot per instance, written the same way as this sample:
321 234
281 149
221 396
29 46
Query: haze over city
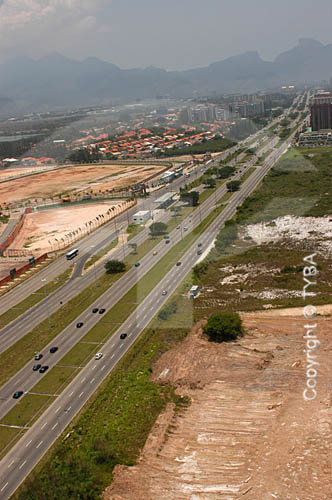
171 35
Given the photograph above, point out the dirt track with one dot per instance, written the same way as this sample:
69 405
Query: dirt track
248 433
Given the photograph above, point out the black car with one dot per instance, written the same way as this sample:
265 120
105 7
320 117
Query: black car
17 394
36 367
137 264
123 335
38 357
199 244
101 311
53 350
43 369
199 252
95 310
178 263
79 325
166 242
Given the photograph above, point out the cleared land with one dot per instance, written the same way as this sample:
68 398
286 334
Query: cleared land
249 433
40 228
74 179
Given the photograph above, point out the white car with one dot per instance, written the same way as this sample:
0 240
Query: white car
164 292
99 355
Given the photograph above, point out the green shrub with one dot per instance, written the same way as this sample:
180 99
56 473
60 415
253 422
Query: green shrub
224 327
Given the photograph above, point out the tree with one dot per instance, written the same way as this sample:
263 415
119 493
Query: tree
224 327
115 266
225 172
233 185
158 228
133 246
210 182
191 197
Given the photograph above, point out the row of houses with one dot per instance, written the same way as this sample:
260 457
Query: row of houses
143 143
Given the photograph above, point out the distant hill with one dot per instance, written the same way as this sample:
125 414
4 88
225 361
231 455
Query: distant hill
57 81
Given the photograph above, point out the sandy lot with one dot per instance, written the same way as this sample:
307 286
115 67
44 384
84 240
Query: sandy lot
75 179
248 433
40 228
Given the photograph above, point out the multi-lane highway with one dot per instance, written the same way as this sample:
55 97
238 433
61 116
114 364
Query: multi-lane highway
21 459
25 379
25 454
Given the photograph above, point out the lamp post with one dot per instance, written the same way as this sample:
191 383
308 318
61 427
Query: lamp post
46 302
94 266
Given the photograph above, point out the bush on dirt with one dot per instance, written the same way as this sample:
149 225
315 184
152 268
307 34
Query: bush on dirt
224 327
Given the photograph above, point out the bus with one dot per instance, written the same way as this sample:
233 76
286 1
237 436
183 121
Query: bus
70 255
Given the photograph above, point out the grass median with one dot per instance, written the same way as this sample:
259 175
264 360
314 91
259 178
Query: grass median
100 254
34 298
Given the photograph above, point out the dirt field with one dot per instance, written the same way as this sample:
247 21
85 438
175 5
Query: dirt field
13 172
41 227
248 434
75 179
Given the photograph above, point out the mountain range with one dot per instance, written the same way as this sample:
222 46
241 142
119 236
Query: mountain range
57 81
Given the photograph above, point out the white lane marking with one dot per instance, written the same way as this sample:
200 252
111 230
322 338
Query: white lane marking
72 392
22 465
58 409
44 426
112 356
11 463
81 394
28 444
103 367
4 487
41 442
83 380
54 426
94 367
92 381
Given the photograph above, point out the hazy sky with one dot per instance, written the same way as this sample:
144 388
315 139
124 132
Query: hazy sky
173 34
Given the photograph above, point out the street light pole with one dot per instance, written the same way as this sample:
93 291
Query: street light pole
94 267
46 302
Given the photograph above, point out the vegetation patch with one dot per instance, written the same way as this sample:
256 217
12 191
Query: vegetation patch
223 327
